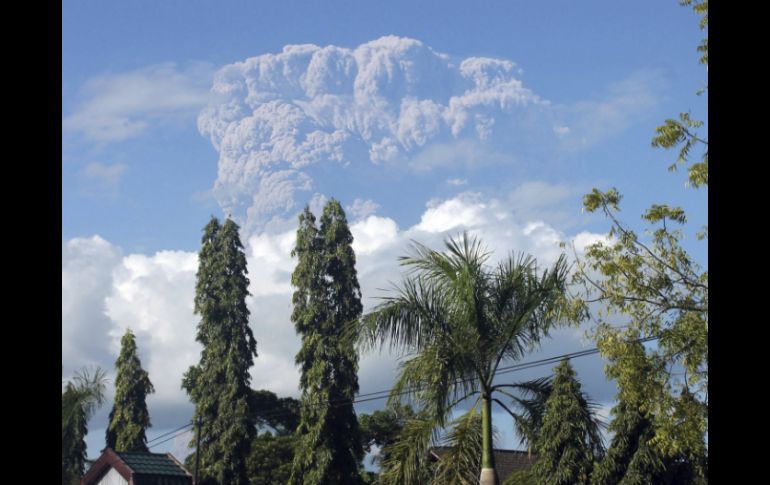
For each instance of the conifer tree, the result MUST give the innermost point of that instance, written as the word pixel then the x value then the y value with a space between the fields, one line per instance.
pixel 630 459
pixel 568 442
pixel 129 418
pixel 219 384
pixel 326 298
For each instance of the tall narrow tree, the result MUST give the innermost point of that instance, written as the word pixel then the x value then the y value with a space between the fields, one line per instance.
pixel 129 418
pixel 327 297
pixel 569 440
pixel 219 384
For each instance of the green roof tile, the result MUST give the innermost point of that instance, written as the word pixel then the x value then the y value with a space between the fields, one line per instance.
pixel 157 464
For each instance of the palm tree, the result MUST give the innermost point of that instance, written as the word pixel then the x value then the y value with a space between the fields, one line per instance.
pixel 80 399
pixel 458 320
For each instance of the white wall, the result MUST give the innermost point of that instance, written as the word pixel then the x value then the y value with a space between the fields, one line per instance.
pixel 113 478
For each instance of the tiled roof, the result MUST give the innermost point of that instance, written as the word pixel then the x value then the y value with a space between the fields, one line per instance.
pixel 506 461
pixel 509 461
pixel 151 464
pixel 143 468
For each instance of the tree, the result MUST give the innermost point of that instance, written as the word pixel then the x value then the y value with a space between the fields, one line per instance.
pixel 219 384
pixel 458 321
pixel 280 414
pixel 569 439
pixel 80 399
pixel 461 462
pixel 521 477
pixel 382 427
pixel 271 458
pixel 326 299
pixel 129 418
pixel 661 293
pixel 631 457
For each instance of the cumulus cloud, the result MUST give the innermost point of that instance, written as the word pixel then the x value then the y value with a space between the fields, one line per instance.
pixel 85 284
pixel 104 292
pixel 118 106
pixel 452 213
pixel 276 116
pixel 153 295
pixel 278 119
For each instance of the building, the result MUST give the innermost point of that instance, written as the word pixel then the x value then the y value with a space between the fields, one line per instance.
pixel 506 461
pixel 136 468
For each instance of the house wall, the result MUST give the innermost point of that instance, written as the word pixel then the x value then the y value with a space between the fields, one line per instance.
pixel 113 478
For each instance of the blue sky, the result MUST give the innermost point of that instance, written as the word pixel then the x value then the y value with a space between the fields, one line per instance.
pixel 550 100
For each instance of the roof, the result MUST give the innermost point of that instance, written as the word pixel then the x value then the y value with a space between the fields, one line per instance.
pixel 506 461
pixel 139 468
pixel 152 464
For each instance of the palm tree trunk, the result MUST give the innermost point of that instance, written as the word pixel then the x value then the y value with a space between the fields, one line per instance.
pixel 488 474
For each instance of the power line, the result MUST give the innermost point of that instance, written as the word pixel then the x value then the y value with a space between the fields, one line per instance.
pixel 167 439
pixel 377 395
pixel 170 432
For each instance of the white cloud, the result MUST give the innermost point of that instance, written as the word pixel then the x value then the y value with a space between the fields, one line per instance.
pixel 115 107
pixel 453 213
pixel 269 254
pixel 372 234
pixel 457 182
pixel 584 239
pixel 86 281
pixel 104 292
pixel 537 194
pixel 621 104
pixel 105 174
pixel 361 208
pixel 276 116
pixel 153 295
pixel 393 102
pixel 556 204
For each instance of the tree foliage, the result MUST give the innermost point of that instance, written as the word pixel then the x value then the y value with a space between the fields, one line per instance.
pixel 271 458
pixel 219 384
pixel 630 458
pixel 326 299
pixel 382 427
pixel 129 417
pixel 660 292
pixel 521 477
pixel 683 132
pixel 80 399
pixel 457 320
pixel 461 462
pixel 569 440
pixel 279 413
pixel 272 450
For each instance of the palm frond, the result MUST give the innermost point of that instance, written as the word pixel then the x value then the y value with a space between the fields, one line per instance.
pixel 407 458
pixel 436 379
pixel 409 320
pixel 529 406
pixel 460 462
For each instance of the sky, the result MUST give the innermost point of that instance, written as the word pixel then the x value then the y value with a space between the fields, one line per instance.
pixel 423 118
